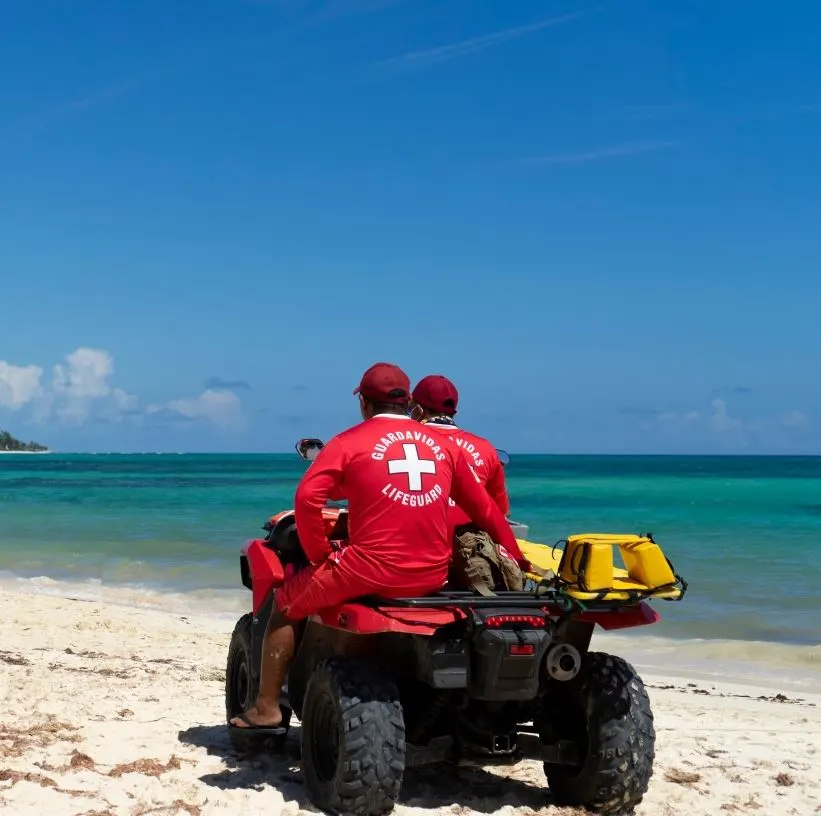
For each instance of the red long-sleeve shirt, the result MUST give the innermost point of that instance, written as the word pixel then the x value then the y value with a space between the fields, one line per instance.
pixel 484 460
pixel 397 477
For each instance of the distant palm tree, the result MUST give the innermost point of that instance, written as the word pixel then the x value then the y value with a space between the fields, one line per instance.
pixel 9 443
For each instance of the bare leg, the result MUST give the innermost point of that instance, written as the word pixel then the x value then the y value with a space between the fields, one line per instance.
pixel 277 653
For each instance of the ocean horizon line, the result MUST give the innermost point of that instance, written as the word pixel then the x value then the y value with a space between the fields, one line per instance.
pixel 225 602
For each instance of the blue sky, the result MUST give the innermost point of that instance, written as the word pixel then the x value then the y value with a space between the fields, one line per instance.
pixel 600 220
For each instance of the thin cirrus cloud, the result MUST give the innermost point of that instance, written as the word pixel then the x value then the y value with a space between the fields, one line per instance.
pixel 329 12
pixel 218 383
pixel 44 118
pixel 599 154
pixel 735 390
pixel 325 11
pixel 652 111
pixel 431 56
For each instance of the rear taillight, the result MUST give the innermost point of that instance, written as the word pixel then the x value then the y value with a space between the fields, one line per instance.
pixel 535 621
pixel 522 650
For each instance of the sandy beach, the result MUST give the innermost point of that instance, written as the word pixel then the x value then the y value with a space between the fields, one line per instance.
pixel 112 710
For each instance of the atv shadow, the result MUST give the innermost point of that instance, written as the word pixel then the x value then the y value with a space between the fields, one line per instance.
pixel 251 770
pixel 432 786
pixel 474 787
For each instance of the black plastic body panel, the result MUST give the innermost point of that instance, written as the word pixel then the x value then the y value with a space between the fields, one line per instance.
pixel 245 572
pixel 445 664
pixel 497 675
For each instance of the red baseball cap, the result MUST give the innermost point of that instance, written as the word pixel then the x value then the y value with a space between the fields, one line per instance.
pixel 385 382
pixel 437 393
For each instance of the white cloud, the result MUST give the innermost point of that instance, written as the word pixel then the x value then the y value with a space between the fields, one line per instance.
pixel 720 426
pixel 82 386
pixel 19 385
pixel 222 407
pixel 85 374
pixel 123 400
pixel 730 430
pixel 672 418
pixel 794 419
pixel 81 389
pixel 721 421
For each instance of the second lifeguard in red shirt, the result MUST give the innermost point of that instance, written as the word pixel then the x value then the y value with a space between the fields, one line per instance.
pixel 435 401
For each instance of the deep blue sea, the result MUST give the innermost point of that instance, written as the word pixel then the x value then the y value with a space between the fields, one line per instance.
pixel 744 531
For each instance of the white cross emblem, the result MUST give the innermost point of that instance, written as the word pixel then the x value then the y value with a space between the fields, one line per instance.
pixel 413 466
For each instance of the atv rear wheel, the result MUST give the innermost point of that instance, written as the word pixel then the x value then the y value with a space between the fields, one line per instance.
pixel 241 688
pixel 606 710
pixel 353 739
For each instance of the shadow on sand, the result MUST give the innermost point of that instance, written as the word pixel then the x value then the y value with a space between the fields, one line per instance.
pixel 426 787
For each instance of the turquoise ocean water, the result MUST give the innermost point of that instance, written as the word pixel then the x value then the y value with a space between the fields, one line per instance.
pixel 745 532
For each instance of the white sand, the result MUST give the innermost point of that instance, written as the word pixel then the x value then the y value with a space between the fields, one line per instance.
pixel 112 710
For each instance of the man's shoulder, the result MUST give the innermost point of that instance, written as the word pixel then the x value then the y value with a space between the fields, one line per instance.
pixel 464 441
pixel 474 437
pixel 352 431
pixel 379 428
pixel 344 439
pixel 481 441
pixel 446 432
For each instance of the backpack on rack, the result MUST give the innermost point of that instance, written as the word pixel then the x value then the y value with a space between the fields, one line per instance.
pixel 479 564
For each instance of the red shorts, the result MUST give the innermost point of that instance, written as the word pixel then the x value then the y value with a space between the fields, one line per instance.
pixel 318 587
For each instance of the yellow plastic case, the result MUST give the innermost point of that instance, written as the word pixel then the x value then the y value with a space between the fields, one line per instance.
pixel 585 567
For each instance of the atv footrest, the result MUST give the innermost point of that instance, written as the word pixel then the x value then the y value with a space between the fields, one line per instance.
pixel 259 731
pixel 561 752
pixel 258 740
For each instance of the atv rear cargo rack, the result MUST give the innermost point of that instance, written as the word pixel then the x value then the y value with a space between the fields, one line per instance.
pixel 460 599
pixel 467 599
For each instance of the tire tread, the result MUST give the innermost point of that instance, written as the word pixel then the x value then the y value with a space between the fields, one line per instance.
pixel 372 751
pixel 623 733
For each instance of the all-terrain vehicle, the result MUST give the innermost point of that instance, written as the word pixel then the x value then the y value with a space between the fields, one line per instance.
pixel 382 685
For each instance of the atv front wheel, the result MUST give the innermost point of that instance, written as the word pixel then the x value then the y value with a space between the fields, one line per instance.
pixel 353 739
pixel 241 688
pixel 606 711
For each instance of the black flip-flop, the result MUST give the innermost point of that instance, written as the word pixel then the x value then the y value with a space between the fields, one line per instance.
pixel 253 728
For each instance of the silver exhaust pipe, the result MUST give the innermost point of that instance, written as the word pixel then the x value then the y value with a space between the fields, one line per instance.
pixel 563 662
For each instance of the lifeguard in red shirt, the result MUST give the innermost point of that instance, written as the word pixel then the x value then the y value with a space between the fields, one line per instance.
pixel 435 400
pixel 397 477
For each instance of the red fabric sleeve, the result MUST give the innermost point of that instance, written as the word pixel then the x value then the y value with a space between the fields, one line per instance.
pixel 322 480
pixel 495 485
pixel 474 499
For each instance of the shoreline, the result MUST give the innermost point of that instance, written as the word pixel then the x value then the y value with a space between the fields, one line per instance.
pixel 792 666
pixel 119 710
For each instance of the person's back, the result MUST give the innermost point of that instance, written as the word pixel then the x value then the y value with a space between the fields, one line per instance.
pixel 436 400
pixel 397 479
pixel 484 460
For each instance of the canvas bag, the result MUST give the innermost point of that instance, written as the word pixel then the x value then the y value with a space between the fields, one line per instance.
pixel 479 564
